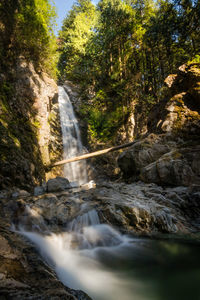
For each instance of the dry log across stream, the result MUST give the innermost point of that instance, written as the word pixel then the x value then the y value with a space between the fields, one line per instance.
pixel 93 154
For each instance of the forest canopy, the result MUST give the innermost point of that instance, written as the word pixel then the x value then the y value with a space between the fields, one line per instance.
pixel 122 50
pixel 119 51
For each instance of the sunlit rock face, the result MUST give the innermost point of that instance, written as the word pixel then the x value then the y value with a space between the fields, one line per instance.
pixel 163 160
pixel 169 155
pixel 30 137
pixel 178 111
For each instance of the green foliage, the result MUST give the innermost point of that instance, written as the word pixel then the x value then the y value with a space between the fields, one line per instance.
pixel 77 30
pixel 26 28
pixel 121 52
pixel 6 92
pixel 103 126
pixel 196 59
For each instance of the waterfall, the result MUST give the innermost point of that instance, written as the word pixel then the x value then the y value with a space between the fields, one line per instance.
pixel 95 257
pixel 72 145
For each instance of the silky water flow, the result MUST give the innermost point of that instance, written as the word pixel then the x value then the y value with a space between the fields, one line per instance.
pixel 84 255
pixel 72 145
pixel 101 261
pixel 108 265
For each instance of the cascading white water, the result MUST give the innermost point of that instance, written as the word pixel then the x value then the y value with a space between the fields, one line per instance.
pixel 72 145
pixel 84 220
pixel 95 257
pixel 108 265
pixel 77 257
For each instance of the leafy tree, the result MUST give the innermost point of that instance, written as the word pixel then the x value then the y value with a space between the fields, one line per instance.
pixel 122 52
pixel 77 28
pixel 27 29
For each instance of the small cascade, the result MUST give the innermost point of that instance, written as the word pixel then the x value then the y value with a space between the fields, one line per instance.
pixel 87 219
pixel 76 254
pixel 77 257
pixel 72 145
pixel 80 267
pixel 106 264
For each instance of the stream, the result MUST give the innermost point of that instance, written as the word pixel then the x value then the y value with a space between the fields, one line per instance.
pixel 108 265
pixel 105 263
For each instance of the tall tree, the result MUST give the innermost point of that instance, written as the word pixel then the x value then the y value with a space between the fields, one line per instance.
pixel 123 51
pixel 77 28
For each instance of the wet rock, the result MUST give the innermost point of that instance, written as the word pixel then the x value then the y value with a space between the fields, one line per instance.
pixel 58 184
pixel 89 185
pixel 74 184
pixel 165 222
pixel 20 194
pixel 51 211
pixel 194 188
pixel 4 194
pixel 147 208
pixel 39 190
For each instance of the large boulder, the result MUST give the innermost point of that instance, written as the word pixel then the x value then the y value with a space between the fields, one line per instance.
pixel 170 169
pixel 160 160
pixel 58 184
pixel 142 154
pixel 148 208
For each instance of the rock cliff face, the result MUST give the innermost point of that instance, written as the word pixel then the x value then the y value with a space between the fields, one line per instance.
pixel 179 111
pixel 29 138
pixel 171 154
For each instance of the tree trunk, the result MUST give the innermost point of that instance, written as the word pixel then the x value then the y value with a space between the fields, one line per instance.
pixel 93 154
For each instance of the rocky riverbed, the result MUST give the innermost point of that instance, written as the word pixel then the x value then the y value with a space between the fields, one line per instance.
pixel 138 209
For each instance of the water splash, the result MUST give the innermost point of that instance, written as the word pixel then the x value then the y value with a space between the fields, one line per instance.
pixel 76 258
pixel 72 145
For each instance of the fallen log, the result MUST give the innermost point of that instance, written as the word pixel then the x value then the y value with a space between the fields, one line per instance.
pixel 93 154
